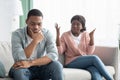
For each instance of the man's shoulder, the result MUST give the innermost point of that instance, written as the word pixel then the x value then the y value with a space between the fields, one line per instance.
pixel 46 31
pixel 19 30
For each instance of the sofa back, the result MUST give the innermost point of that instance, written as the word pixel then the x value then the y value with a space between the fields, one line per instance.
pixel 6 55
pixel 109 55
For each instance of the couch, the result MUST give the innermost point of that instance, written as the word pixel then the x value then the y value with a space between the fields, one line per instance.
pixel 109 55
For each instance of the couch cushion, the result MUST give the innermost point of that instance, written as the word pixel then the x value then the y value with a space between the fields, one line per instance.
pixel 6 79
pixel 80 74
pixel 6 55
pixel 2 70
pixel 77 74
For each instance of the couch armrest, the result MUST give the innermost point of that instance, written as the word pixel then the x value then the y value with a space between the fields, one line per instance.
pixel 109 56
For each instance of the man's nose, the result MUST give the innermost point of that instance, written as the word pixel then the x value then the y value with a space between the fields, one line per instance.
pixel 36 26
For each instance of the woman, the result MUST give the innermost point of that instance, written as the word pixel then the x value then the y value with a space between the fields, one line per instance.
pixel 78 45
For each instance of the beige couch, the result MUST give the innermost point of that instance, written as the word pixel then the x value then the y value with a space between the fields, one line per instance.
pixel 109 55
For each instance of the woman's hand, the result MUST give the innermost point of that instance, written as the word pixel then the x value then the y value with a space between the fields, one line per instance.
pixel 57 29
pixel 57 34
pixel 91 34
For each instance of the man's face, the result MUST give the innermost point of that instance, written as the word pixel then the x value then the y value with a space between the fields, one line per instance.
pixel 34 23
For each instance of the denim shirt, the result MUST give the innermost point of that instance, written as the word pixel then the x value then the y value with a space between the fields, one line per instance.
pixel 46 47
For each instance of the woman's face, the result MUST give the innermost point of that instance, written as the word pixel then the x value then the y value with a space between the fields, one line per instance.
pixel 76 26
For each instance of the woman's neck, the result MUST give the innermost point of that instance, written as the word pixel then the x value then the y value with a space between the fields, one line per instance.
pixel 75 34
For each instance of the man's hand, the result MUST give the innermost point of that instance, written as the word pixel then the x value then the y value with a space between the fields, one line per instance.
pixel 22 64
pixel 37 37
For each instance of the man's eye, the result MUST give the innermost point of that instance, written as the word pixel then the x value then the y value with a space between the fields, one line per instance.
pixel 32 24
pixel 39 24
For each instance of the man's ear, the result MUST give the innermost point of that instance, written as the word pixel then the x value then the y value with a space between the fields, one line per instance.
pixel 26 21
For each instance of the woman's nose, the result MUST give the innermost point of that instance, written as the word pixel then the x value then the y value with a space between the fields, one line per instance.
pixel 75 25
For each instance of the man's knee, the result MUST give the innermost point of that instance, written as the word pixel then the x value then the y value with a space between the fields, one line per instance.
pixel 21 73
pixel 55 66
pixel 56 70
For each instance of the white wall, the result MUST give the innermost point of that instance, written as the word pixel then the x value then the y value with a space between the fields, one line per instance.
pixel 5 20
pixel 100 14
pixel 9 20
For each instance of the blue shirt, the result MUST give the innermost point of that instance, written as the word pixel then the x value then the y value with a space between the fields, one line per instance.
pixel 46 47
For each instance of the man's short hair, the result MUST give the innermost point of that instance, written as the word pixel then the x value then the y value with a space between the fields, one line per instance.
pixel 34 12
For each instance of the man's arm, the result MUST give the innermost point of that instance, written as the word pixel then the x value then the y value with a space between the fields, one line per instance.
pixel 30 48
pixel 41 61
pixel 51 54
pixel 17 46
pixel 37 37
pixel 51 51
pixel 18 50
pixel 37 62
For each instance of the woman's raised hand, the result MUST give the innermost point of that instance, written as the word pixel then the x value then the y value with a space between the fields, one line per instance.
pixel 57 29
pixel 91 34
pixel 57 35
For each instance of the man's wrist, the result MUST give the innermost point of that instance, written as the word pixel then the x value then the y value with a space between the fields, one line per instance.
pixel 35 42
pixel 31 62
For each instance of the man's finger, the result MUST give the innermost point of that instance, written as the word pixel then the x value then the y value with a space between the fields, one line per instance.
pixel 19 67
pixel 31 31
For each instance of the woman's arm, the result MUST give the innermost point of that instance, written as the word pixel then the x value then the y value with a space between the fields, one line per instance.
pixel 57 35
pixel 91 34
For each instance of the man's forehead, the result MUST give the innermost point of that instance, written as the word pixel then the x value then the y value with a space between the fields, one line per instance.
pixel 36 22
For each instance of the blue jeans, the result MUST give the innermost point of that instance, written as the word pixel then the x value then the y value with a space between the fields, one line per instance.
pixel 93 64
pixel 51 71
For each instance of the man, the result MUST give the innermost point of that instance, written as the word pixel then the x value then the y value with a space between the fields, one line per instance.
pixel 34 51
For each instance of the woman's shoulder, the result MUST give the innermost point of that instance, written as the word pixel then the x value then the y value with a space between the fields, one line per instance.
pixel 66 33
